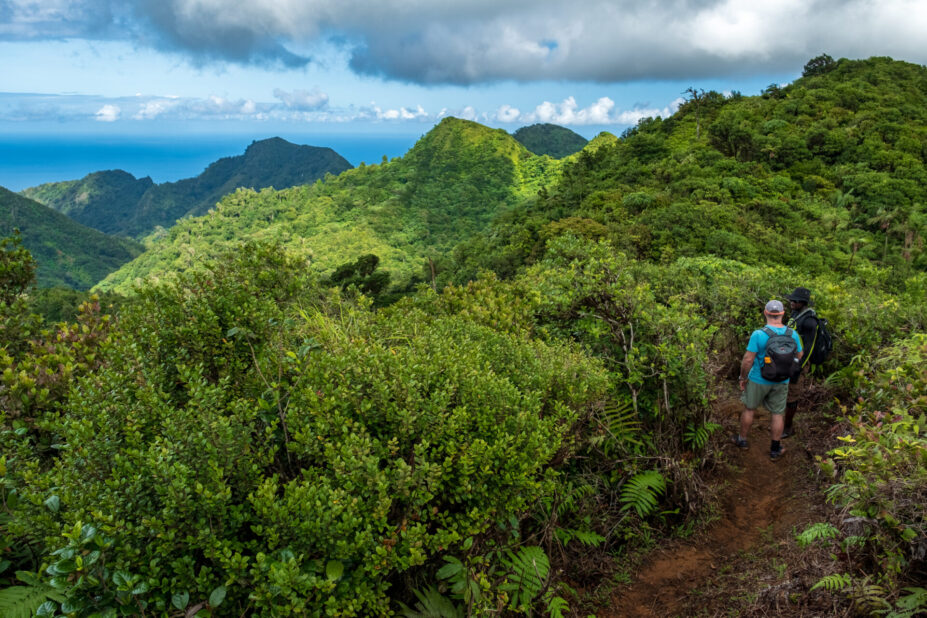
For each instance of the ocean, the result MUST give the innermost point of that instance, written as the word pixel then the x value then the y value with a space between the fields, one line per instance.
pixel 27 161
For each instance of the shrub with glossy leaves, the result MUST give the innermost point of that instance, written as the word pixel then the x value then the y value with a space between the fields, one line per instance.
pixel 250 432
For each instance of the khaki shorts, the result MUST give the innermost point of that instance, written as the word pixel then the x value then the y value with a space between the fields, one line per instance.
pixel 770 396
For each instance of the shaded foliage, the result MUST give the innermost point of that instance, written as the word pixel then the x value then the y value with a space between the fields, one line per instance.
pixel 66 253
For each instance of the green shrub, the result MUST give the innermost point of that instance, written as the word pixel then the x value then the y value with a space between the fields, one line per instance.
pixel 248 432
pixel 881 470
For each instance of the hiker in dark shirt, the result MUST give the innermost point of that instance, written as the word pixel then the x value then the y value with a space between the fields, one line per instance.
pixel 805 323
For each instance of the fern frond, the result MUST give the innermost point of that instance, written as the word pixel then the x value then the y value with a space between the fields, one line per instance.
pixel 571 496
pixel 850 541
pixel 833 583
pixel 640 492
pixel 556 606
pixel 528 570
pixel 816 532
pixel 697 438
pixel 432 604
pixel 23 601
pixel 588 537
pixel 916 601
pixel 621 421
pixel 870 598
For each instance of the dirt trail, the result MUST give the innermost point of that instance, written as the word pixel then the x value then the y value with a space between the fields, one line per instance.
pixel 762 504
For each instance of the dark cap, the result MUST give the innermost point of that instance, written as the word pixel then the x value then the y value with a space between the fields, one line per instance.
pixel 800 295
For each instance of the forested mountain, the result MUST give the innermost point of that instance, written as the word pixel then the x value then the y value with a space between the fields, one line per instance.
pixel 550 139
pixel 817 173
pixel 116 202
pixel 252 436
pixel 67 254
pixel 448 187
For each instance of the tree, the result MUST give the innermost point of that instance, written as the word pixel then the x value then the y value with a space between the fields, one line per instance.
pixel 819 66
pixel 696 96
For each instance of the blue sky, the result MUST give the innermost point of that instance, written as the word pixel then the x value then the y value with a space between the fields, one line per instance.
pixel 145 67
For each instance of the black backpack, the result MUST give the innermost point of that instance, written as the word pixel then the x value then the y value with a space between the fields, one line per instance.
pixel 823 343
pixel 780 362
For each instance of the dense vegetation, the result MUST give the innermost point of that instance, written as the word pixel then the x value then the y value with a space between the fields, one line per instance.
pixel 445 189
pixel 116 202
pixel 68 254
pixel 550 139
pixel 251 434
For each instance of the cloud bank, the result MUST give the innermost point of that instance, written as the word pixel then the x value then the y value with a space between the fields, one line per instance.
pixel 479 41
pixel 300 106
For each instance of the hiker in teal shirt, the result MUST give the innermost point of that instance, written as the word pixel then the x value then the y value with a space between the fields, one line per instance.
pixel 760 391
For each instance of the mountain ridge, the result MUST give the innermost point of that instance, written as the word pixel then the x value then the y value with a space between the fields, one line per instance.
pixel 456 179
pixel 115 202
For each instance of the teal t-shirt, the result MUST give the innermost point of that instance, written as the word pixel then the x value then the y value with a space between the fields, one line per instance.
pixel 757 344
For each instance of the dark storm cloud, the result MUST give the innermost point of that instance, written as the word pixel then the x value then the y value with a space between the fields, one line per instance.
pixel 478 41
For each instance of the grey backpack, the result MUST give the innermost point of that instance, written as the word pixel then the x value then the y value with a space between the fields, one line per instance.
pixel 780 361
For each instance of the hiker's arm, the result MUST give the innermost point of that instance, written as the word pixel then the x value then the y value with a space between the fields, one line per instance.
pixel 745 365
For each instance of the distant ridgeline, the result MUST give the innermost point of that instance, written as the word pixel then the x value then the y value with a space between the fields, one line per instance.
pixel 550 139
pixel 116 202
pixel 447 188
pixel 67 254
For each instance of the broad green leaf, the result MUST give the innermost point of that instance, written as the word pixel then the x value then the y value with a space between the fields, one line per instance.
pixel 180 599
pixel 53 503
pixel 217 596
pixel 334 569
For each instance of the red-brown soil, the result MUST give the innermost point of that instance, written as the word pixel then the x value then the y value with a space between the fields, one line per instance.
pixel 746 563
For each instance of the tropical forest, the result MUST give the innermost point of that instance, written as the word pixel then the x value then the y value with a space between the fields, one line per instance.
pixel 495 376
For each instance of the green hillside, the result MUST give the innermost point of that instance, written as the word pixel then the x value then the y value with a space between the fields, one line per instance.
pixel 67 254
pixel 116 202
pixel 817 174
pixel 246 437
pixel 449 186
pixel 550 139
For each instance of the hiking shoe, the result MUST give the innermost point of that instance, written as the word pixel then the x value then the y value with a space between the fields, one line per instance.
pixel 740 442
pixel 788 432
pixel 777 455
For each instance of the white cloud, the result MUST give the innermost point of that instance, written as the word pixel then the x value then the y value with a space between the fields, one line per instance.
pixel 507 113
pixel 568 113
pixel 468 113
pixel 401 113
pixel 633 116
pixel 108 113
pixel 153 109
pixel 478 41
pixel 306 100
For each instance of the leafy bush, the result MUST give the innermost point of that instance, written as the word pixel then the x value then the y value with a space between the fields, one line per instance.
pixel 251 432
pixel 881 471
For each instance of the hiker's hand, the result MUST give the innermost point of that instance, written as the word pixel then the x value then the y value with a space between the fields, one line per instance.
pixel 743 384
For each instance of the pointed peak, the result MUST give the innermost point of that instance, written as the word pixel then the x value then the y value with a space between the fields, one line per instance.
pixel 602 139
pixel 455 134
